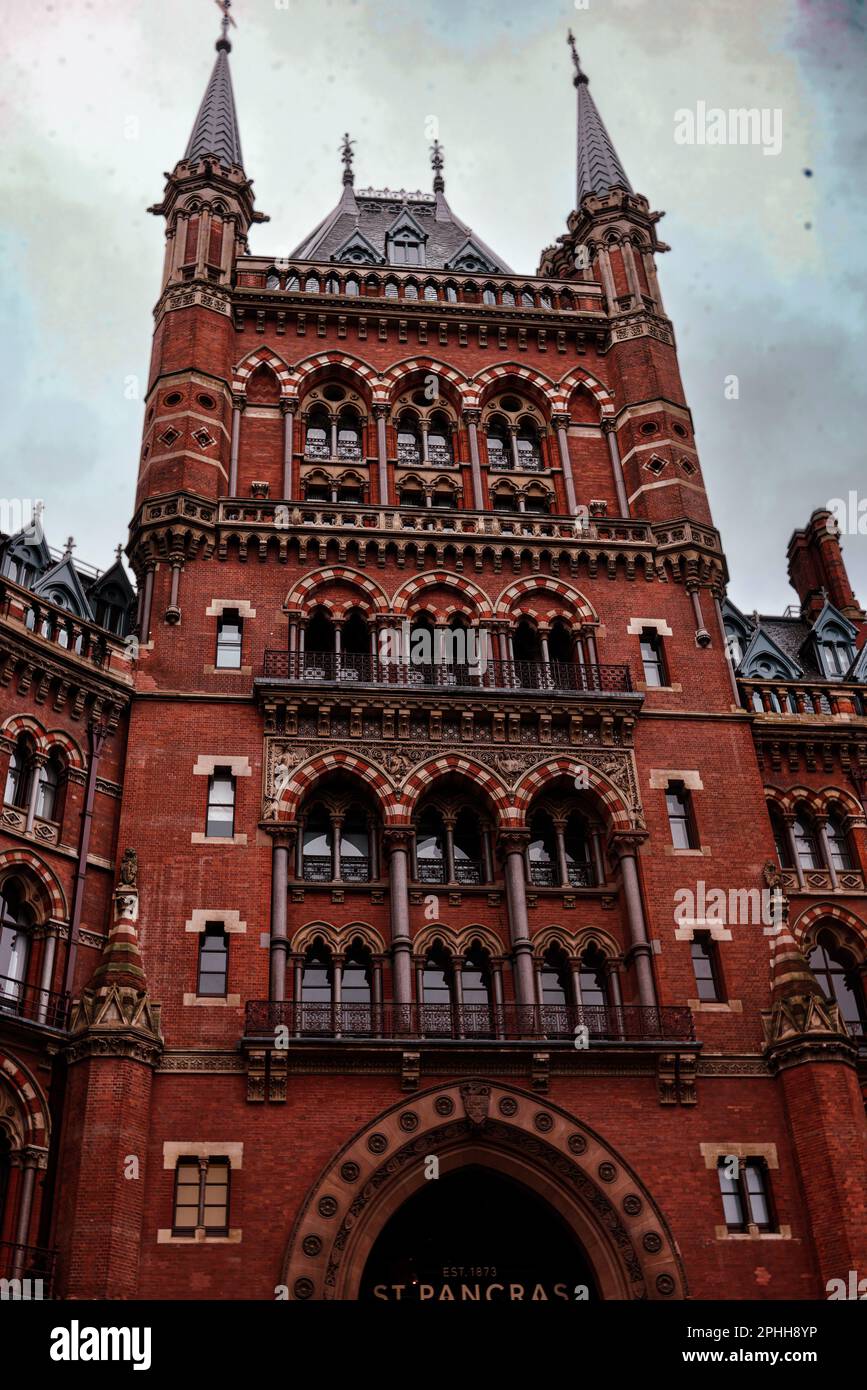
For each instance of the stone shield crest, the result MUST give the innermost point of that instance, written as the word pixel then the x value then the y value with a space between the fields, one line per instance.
pixel 476 1096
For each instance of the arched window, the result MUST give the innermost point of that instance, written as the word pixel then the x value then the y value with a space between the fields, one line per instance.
pixel 355 846
pixel 311 284
pixel 408 439
pixel 452 294
pixel 430 292
pixel 838 977
pixel 439 447
pixel 350 489
pixel 498 443
pixel 594 986
pixel 561 643
pixel 805 842
pixel 320 633
pixel 356 991
pixel 838 842
pixel 489 295
pixel 348 436
pixel 317 442
pixel 430 847
pixel 293 283
pixel 272 281
pixel 354 646
pixel 20 776
pixel 410 290
pixel 508 296
pixel 476 1019
pixel 528 298
pixel 316 854
pixel 543 851
pixel 781 839
pixel 436 995
pixel 469 866
pixel 317 991
pixel 352 286
pixel 443 496
pixel 391 289
pixel 527 441
pixel 411 493
pixel 526 643
pixel 836 651
pixel 16 920
pixel 504 499
pixel 579 864
pixel 556 991
pixel 52 780
pixel 537 502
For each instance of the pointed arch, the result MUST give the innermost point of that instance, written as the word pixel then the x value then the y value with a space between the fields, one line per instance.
pixel 486 380
pixel 27 864
pixel 303 589
pixel 579 376
pixel 611 800
pixel 256 357
pixel 602 1200
pixel 543 584
pixel 59 738
pixel 399 377
pixel 421 778
pixel 320 363
pixel 339 759
pixel 828 912
pixel 414 587
pixel 30 1121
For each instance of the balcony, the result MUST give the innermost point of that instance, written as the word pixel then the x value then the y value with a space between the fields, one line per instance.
pixel 35 1005
pixel 30 1265
pixel 556 676
pixel 819 881
pixel 794 699
pixel 467 871
pixel 630 1023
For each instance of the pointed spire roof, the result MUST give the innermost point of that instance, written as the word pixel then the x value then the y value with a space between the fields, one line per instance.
pixel 598 165
pixel 215 130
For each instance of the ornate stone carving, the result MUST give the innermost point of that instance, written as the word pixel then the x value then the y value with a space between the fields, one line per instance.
pixel 476 1098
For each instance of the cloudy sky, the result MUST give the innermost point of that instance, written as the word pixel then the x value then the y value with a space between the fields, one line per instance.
pixel 763 281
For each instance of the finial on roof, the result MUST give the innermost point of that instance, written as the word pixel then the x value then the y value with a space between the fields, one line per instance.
pixel 118 552
pixel 437 161
pixel 347 157
pixel 579 75
pixel 70 546
pixel 223 45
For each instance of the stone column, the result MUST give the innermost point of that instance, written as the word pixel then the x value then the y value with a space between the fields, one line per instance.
pixel 561 424
pixel 281 844
pixel 148 602
pixel 472 418
pixel 449 827
pixel 604 263
pixel 397 842
pixel 336 827
pixel 47 973
pixel 631 272
pixel 380 414
pixel 288 409
pixel 822 828
pixel 625 847
pixel 653 283
pixel 793 849
pixel 37 765
pixel 562 864
pixel 238 405
pixel 609 429
pixel 173 612
pixel 202 244
pixel 736 695
pixel 511 846
pixel 32 1160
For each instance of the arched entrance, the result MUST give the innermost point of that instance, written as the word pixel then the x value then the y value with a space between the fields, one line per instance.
pixel 606 1216
pixel 476 1235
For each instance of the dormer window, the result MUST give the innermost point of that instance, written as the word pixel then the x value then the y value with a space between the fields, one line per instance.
pixel 836 652
pixel 405 249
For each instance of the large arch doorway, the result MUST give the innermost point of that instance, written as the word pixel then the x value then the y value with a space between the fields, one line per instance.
pixel 611 1221
pixel 476 1235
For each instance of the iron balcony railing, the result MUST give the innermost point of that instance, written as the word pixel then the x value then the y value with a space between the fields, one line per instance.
pixel 466 871
pixel 547 876
pixel 503 1022
pixel 318 868
pixel 487 675
pixel 36 1005
pixel 31 1267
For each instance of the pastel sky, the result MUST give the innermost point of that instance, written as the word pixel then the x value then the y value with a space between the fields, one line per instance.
pixel 763 281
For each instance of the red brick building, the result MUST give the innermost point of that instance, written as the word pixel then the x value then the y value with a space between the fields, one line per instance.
pixel 446 894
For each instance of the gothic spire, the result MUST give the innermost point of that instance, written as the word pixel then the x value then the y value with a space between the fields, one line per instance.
pixel 215 131
pixel 598 165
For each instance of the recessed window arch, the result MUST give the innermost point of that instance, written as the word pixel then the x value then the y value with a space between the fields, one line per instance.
pixel 16 923
pixel 836 971
pixel 52 786
pixel 527 442
pixel 839 844
pixel 339 839
pixel 806 840
pixel 22 769
pixel 453 841
pixel 593 980
pixel 311 284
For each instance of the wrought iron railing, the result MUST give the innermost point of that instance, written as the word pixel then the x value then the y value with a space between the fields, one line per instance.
pixel 434 871
pixel 36 1005
pixel 509 1022
pixel 548 876
pixel 487 675
pixel 440 455
pixel 318 868
pixel 32 1267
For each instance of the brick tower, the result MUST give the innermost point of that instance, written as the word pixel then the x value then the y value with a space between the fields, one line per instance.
pixel 437 774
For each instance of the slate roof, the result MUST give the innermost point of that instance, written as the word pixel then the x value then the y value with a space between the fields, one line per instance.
pixel 599 167
pixel 375 212
pixel 52 572
pixel 215 130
